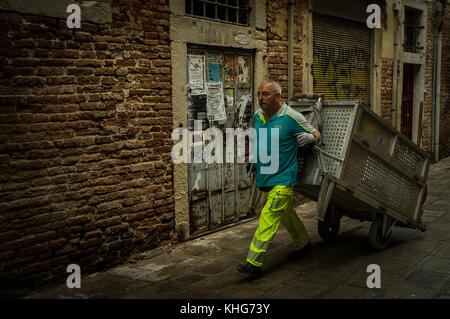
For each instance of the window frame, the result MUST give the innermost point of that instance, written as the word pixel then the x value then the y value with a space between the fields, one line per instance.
pixel 237 7
pixel 415 24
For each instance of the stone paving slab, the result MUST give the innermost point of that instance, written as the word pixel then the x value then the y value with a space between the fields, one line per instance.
pixel 428 279
pixel 437 264
pixel 297 289
pixel 348 291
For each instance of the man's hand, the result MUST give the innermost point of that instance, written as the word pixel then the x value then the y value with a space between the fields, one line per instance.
pixel 318 137
pixel 304 139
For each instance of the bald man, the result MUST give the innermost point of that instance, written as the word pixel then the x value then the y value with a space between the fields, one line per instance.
pixel 285 130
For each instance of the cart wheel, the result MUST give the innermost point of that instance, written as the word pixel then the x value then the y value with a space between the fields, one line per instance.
pixel 376 239
pixel 328 229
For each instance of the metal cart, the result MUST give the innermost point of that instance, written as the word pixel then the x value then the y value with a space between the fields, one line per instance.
pixel 364 169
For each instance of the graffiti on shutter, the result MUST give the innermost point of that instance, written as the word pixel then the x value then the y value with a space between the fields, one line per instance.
pixel 341 58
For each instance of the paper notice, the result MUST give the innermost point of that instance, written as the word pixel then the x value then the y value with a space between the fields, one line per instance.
pixel 196 73
pixel 215 106
pixel 213 72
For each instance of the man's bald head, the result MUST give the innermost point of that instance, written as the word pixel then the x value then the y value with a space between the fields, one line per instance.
pixel 276 87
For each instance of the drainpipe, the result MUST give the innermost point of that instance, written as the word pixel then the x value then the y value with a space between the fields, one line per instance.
pixel 290 49
pixel 433 97
pixel 438 93
pixel 435 107
pixel 394 69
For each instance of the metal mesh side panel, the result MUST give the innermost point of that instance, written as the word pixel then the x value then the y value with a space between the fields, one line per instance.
pixel 336 122
pixel 375 178
pixel 414 161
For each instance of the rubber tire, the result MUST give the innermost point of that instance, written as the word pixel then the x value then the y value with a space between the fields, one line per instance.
pixel 376 240
pixel 327 231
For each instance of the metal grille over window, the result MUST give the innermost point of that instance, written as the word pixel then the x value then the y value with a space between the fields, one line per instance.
pixel 232 11
pixel 412 30
pixel 341 58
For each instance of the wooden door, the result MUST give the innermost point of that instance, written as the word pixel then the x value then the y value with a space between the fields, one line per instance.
pixel 407 100
pixel 219 193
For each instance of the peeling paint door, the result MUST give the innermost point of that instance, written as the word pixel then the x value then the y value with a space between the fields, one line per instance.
pixel 219 193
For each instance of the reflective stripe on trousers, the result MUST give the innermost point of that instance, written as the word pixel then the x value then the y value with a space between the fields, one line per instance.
pixel 278 209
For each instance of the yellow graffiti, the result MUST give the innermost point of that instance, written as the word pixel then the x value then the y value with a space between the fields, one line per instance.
pixel 340 80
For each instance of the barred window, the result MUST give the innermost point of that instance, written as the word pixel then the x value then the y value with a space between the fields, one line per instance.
pixel 412 30
pixel 232 11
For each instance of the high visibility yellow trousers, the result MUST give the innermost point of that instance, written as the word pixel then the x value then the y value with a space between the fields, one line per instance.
pixel 278 209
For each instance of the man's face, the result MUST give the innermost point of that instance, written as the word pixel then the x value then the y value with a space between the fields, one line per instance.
pixel 268 100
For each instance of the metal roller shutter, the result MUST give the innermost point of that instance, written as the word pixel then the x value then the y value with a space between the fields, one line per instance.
pixel 341 67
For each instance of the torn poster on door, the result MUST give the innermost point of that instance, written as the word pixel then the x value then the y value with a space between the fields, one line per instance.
pixel 243 65
pixel 196 73
pixel 215 105
pixel 228 70
pixel 243 102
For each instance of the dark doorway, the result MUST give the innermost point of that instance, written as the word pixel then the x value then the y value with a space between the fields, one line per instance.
pixel 407 100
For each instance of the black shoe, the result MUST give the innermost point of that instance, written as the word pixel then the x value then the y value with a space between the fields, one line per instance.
pixel 249 269
pixel 300 252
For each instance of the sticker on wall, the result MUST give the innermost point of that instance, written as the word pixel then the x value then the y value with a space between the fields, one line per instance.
pixel 213 72
pixel 196 73
pixel 215 105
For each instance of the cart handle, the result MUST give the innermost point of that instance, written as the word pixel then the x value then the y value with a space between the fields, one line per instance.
pixel 321 151
pixel 312 96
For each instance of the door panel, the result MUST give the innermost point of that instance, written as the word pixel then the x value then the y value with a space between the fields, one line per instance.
pixel 407 100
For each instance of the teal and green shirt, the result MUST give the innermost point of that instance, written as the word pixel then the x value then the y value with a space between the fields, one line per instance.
pixel 286 124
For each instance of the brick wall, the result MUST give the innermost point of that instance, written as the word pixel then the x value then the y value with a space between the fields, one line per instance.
pixel 444 127
pixel 277 44
pixel 428 81
pixel 85 126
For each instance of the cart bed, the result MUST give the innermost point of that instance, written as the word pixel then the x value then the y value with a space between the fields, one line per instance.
pixel 379 171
